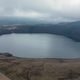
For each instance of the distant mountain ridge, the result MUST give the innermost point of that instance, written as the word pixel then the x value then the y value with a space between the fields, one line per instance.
pixel 70 30
pixel 20 20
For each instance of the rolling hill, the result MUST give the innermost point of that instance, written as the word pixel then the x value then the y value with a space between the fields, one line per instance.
pixel 70 30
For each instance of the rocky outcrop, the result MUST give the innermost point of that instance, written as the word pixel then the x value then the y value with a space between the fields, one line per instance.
pixel 3 77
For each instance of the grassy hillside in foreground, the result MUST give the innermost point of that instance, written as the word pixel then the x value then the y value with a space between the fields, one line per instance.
pixel 40 69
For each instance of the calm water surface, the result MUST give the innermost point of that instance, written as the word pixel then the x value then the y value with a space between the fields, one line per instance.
pixel 39 46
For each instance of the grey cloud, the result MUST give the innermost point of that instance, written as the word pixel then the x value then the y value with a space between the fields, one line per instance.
pixel 55 9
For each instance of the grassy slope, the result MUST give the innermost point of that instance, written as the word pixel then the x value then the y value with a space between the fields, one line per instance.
pixel 40 69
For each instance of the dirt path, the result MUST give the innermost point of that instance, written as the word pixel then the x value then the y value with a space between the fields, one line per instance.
pixel 3 77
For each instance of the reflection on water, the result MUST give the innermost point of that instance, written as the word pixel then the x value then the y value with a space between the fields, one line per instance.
pixel 39 46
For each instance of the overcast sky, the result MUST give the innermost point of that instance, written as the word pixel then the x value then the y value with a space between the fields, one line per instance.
pixel 51 10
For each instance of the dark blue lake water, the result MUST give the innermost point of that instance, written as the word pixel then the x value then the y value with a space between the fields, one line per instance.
pixel 39 46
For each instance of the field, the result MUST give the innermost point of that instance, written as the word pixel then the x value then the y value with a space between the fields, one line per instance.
pixel 40 69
